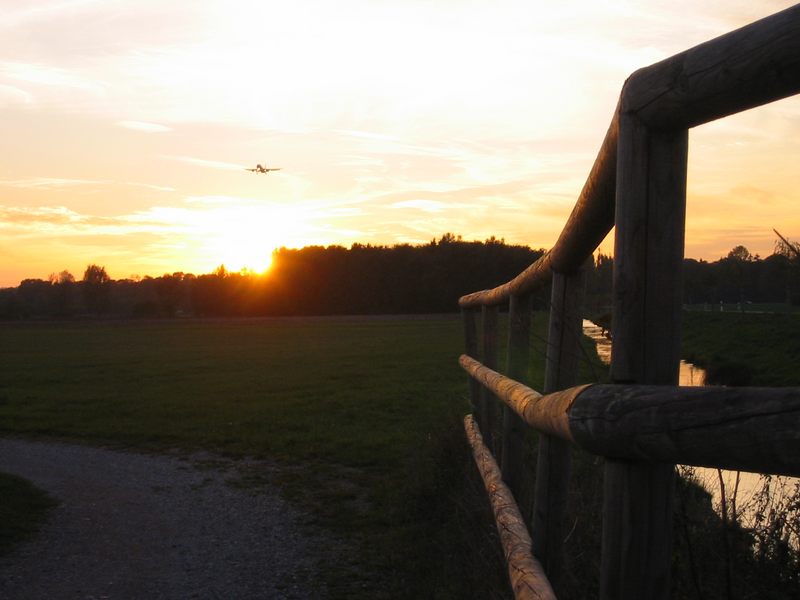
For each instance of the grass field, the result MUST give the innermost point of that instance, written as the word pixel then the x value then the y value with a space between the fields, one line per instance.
pixel 351 406
pixel 363 413
pixel 295 389
pixel 744 349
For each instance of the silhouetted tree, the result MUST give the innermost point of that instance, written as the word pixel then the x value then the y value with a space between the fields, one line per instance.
pixel 96 289
pixel 369 279
pixel 598 287
pixel 63 285
pixel 741 254
pixel 35 297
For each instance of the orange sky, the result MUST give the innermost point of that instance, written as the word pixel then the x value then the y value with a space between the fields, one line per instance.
pixel 127 126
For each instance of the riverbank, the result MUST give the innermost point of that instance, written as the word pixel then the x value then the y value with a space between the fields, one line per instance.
pixel 731 526
pixel 744 349
pixel 739 348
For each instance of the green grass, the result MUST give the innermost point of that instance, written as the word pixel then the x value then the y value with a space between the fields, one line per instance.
pixel 300 389
pixel 364 415
pixel 744 349
pixel 23 508
pixel 747 307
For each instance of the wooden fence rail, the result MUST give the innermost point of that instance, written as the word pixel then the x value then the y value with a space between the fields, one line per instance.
pixel 642 422
pixel 742 429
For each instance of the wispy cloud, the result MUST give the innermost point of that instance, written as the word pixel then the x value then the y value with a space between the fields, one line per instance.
pixel 47 75
pixel 149 186
pixel 31 216
pixel 217 200
pixel 369 135
pixel 202 162
pixel 10 94
pixel 58 183
pixel 45 220
pixel 144 126
pixel 49 182
pixel 429 206
pixel 25 13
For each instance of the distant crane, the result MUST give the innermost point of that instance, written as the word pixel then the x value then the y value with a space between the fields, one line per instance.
pixel 262 169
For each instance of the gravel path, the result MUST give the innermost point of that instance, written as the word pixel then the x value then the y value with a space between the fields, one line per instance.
pixel 132 526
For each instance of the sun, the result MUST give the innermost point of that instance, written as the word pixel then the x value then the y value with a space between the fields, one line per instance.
pixel 241 241
pixel 243 236
pixel 242 249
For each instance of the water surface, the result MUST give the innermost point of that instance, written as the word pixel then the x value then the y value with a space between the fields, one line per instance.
pixel 745 485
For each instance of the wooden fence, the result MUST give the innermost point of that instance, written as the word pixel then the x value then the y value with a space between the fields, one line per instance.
pixel 642 423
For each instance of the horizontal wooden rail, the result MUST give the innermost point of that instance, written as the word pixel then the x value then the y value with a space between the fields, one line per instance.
pixel 528 580
pixel 548 414
pixel 590 221
pixel 638 185
pixel 744 429
pixel 748 67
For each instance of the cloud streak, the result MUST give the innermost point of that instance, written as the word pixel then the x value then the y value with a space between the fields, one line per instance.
pixel 50 182
pixel 144 127
pixel 375 141
pixel 61 183
pixel 202 162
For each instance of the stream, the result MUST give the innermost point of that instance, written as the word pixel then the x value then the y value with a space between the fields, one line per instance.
pixel 746 484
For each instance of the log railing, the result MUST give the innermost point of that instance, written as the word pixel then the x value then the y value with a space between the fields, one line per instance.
pixel 642 423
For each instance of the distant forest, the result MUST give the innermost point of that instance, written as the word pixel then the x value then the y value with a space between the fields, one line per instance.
pixel 366 279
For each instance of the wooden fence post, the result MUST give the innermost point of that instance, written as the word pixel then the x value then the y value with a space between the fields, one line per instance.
pixel 471 349
pixel 489 404
pixel 515 472
pixel 650 215
pixel 554 459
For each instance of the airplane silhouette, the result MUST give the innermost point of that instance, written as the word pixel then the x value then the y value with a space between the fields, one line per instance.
pixel 261 169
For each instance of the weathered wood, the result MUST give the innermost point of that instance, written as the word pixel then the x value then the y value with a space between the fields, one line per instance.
pixel 754 65
pixel 489 407
pixel 651 201
pixel 637 526
pixel 565 331
pixel 545 414
pixel 469 316
pixel 515 471
pixel 651 208
pixel 742 429
pixel 643 162
pixel 748 67
pixel 536 275
pixel 590 221
pixel 593 215
pixel 554 461
pixel 528 580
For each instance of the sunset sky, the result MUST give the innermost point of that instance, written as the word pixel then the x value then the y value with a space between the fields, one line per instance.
pixel 127 125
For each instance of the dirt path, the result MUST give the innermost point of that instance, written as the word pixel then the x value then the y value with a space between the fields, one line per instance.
pixel 132 526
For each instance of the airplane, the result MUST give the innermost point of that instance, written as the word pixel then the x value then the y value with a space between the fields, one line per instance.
pixel 261 169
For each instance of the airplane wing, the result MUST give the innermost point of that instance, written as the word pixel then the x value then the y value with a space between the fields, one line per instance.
pixel 260 169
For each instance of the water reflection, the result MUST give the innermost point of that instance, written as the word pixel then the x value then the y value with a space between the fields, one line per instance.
pixel 689 374
pixel 745 485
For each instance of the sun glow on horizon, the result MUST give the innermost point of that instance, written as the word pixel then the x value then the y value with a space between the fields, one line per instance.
pixel 392 123
pixel 242 234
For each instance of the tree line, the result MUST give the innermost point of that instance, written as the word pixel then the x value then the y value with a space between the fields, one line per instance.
pixel 738 277
pixel 367 279
pixel 315 280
